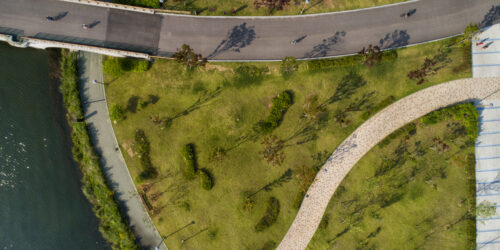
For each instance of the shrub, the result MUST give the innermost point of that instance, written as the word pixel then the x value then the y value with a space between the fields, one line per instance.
pixel 112 66
pixel 375 109
pixel 271 215
pixel 245 75
pixel 142 148
pixel 117 66
pixel 116 113
pixel 288 66
pixel 206 179
pixel 281 103
pixel 187 153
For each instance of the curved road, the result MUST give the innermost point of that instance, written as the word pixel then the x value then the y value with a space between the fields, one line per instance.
pixel 247 38
pixel 370 134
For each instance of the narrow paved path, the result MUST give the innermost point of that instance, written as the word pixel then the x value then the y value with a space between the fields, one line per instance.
pixel 368 135
pixel 112 162
pixel 247 38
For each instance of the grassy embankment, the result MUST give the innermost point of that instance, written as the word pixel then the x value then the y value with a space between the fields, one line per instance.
pixel 219 109
pixel 247 8
pixel 112 225
pixel 416 189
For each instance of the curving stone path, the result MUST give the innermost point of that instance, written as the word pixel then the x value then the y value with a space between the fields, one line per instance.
pixel 368 135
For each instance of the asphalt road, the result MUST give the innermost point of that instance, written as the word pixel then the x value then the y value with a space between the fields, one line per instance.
pixel 248 38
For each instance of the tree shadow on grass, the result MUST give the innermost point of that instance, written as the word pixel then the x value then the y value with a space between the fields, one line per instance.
pixel 238 37
pixel 201 102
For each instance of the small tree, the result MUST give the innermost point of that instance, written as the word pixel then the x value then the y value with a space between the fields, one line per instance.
pixel 206 179
pixel 188 57
pixel 271 5
pixel 470 33
pixel 288 66
pixel 312 108
pixel 272 150
pixel 372 55
pixel 116 113
pixel 486 209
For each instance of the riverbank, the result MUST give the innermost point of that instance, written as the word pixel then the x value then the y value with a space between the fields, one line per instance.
pixel 112 225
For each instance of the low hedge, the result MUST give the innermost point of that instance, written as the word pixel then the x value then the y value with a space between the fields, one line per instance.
pixel 344 61
pixel 142 148
pixel 112 224
pixel 281 103
pixel 190 169
pixel 206 179
pixel 271 215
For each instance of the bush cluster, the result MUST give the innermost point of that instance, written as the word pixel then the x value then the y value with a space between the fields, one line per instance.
pixel 117 66
pixel 288 66
pixel 271 215
pixel 142 148
pixel 95 187
pixel 190 169
pixel 465 113
pixel 245 75
pixel 206 179
pixel 375 109
pixel 281 103
pixel 116 113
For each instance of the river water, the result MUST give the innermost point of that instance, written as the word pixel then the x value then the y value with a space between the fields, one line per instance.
pixel 41 203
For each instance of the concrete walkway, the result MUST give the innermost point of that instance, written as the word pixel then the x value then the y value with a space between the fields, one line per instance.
pixel 112 162
pixel 486 63
pixel 368 135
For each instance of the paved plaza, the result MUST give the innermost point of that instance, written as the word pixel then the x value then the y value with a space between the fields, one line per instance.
pixel 486 63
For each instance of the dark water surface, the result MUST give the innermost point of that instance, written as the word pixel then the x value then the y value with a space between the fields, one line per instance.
pixel 41 203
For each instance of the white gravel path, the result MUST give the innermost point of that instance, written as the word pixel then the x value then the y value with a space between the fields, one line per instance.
pixel 370 134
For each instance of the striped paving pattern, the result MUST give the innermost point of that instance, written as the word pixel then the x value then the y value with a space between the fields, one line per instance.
pixel 486 63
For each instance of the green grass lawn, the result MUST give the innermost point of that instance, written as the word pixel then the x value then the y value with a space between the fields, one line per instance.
pixel 247 8
pixel 410 193
pixel 217 107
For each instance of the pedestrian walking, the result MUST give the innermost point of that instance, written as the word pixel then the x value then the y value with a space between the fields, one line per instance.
pixel 50 18
pixel 479 43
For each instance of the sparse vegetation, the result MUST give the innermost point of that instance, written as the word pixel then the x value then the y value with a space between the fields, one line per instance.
pixel 112 224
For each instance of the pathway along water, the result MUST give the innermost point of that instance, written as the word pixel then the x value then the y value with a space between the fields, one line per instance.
pixel 41 204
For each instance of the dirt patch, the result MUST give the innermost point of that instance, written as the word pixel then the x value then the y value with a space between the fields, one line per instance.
pixel 128 149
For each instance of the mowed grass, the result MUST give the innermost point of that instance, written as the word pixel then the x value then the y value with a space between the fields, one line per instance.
pixel 432 192
pixel 247 8
pixel 227 111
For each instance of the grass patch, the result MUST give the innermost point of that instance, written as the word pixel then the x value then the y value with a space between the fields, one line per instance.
pixel 395 196
pixel 246 7
pixel 112 225
pixel 220 118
